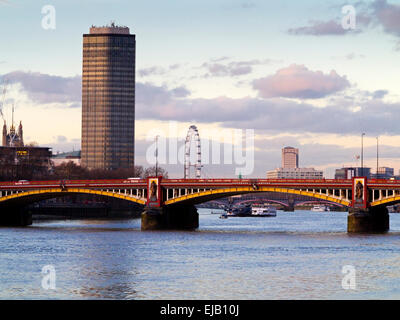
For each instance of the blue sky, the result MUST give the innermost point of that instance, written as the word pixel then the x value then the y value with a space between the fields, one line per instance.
pixel 285 64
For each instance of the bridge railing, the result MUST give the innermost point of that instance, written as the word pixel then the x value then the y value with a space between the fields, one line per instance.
pixel 67 182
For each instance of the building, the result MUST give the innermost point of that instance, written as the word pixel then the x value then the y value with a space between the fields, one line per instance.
pixel 13 138
pixel 383 173
pixel 349 172
pixel 108 98
pixel 24 162
pixel 60 158
pixel 290 157
pixel 295 173
pixel 290 167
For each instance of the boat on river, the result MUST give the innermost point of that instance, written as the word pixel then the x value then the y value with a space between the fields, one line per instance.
pixel 263 211
pixel 320 208
pixel 239 211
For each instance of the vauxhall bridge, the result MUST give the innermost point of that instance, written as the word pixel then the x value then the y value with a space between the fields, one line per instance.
pixel 170 203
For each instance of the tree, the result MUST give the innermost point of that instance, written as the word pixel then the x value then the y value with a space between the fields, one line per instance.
pixel 151 172
pixel 69 170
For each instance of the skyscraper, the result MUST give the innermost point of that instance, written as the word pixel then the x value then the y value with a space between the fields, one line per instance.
pixel 290 157
pixel 108 98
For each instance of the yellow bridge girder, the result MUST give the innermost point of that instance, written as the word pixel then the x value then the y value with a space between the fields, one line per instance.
pixel 243 190
pixel 385 201
pixel 58 191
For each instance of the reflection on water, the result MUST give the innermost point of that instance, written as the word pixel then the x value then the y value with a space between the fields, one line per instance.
pixel 296 255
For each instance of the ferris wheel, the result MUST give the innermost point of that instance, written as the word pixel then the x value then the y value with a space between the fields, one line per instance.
pixel 193 133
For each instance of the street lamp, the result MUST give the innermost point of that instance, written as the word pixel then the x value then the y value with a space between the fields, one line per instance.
pixel 362 154
pixel 157 155
pixel 377 157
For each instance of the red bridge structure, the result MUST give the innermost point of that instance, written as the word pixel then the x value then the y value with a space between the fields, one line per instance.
pixel 170 203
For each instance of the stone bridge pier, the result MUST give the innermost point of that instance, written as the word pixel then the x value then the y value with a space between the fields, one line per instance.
pixel 364 218
pixel 369 220
pixel 170 218
pixel 15 216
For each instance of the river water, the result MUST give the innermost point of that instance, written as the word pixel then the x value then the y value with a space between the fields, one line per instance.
pixel 296 255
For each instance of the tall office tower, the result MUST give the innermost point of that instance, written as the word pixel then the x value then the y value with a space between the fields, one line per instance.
pixel 290 157
pixel 108 98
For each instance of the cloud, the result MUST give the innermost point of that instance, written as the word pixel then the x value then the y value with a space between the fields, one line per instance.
pixel 63 144
pixel 247 5
pixel 180 92
pixel 220 59
pixel 157 70
pixel 296 81
pixel 365 112
pixel 231 69
pixel 379 94
pixel 61 139
pixel 352 56
pixel 349 56
pixel 148 95
pixel 44 88
pixel 320 28
pixel 388 16
pixel 377 13
pixel 397 46
pixel 273 115
pixel 151 71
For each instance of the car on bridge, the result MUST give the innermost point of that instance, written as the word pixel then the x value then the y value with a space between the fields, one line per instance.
pixel 22 182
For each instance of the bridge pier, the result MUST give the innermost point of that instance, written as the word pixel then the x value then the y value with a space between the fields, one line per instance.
pixel 18 217
pixel 370 220
pixel 288 208
pixel 172 217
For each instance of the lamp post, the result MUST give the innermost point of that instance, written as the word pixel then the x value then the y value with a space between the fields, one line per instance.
pixel 377 157
pixel 157 155
pixel 362 154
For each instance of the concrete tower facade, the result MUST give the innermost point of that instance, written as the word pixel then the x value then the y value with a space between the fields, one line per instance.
pixel 108 98
pixel 290 157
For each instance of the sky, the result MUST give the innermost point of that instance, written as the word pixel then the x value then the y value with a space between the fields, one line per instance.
pixel 288 71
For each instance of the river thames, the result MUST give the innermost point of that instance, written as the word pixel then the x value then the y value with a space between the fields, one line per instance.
pixel 296 255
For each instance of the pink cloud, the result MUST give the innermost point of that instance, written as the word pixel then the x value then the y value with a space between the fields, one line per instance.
pixel 296 81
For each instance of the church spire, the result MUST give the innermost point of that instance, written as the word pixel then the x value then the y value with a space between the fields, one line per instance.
pixel 21 134
pixel 4 142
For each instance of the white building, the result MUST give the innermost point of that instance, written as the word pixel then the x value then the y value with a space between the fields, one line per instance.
pixel 295 173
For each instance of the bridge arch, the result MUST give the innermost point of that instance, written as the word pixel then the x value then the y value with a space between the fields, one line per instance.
pixel 386 201
pixel 33 196
pixel 265 200
pixel 316 201
pixel 208 195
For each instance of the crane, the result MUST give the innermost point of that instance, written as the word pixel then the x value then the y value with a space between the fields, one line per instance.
pixel 5 85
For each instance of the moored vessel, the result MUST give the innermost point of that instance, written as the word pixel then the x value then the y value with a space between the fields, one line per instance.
pixel 320 208
pixel 263 211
